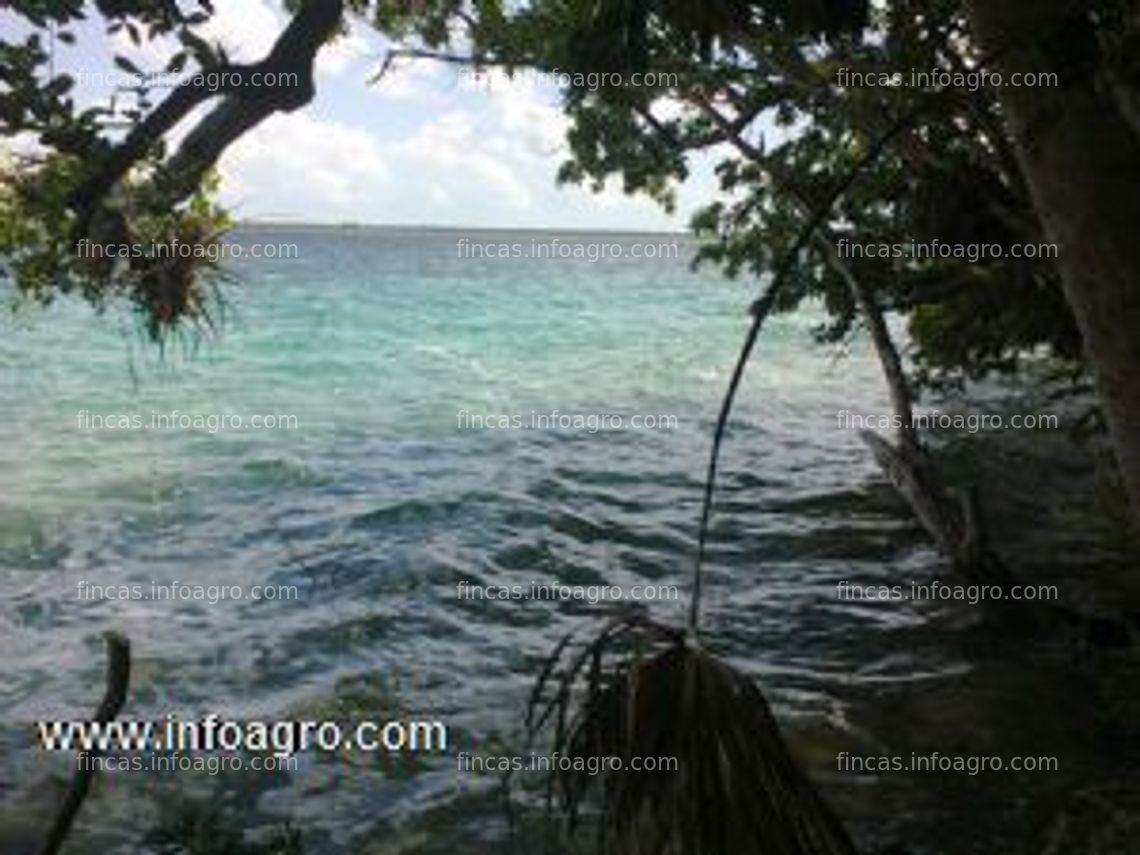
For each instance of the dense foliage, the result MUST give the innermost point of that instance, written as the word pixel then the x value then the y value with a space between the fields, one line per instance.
pixel 768 87
pixel 772 94
pixel 90 186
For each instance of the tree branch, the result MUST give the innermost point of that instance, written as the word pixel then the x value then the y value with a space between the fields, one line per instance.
pixel 245 104
pixel 760 311
pixel 902 399
pixel 118 680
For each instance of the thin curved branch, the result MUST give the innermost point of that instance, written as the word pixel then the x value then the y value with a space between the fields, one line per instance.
pixel 902 400
pixel 118 681
pixel 760 311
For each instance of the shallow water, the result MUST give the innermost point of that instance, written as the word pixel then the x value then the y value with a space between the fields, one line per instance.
pixel 380 502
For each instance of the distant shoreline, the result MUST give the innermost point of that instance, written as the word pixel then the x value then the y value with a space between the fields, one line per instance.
pixel 458 229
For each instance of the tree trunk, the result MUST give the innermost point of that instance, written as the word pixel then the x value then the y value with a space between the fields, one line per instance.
pixel 902 401
pixel 1081 161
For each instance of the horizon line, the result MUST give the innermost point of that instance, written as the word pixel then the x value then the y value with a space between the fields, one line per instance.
pixel 348 224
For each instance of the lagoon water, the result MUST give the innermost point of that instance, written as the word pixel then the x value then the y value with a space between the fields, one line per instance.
pixel 384 497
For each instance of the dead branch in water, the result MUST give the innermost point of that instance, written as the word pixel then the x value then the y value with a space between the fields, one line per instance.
pixel 118 679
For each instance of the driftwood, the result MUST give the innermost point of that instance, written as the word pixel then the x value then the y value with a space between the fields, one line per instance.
pixel 908 470
pixel 953 520
pixel 955 523
pixel 118 679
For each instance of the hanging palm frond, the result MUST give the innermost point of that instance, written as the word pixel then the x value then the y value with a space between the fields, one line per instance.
pixel 725 781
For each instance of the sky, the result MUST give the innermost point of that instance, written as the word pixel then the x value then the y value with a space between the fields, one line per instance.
pixel 427 145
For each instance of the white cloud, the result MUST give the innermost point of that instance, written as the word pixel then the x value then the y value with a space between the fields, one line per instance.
pixel 529 113
pixel 434 148
pixel 247 30
pixel 294 157
pixel 18 146
pixel 343 54
pixel 451 148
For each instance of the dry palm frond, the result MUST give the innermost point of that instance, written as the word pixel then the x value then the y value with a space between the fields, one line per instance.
pixel 640 689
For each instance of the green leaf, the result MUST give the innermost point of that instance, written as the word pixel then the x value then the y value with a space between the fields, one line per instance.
pixel 127 66
pixel 177 62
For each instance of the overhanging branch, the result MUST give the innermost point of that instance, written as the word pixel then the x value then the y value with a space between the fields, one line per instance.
pixel 244 105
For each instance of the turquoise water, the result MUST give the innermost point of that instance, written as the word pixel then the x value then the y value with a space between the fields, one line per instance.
pixel 380 501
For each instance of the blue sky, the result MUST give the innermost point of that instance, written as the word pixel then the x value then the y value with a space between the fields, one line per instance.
pixel 428 145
